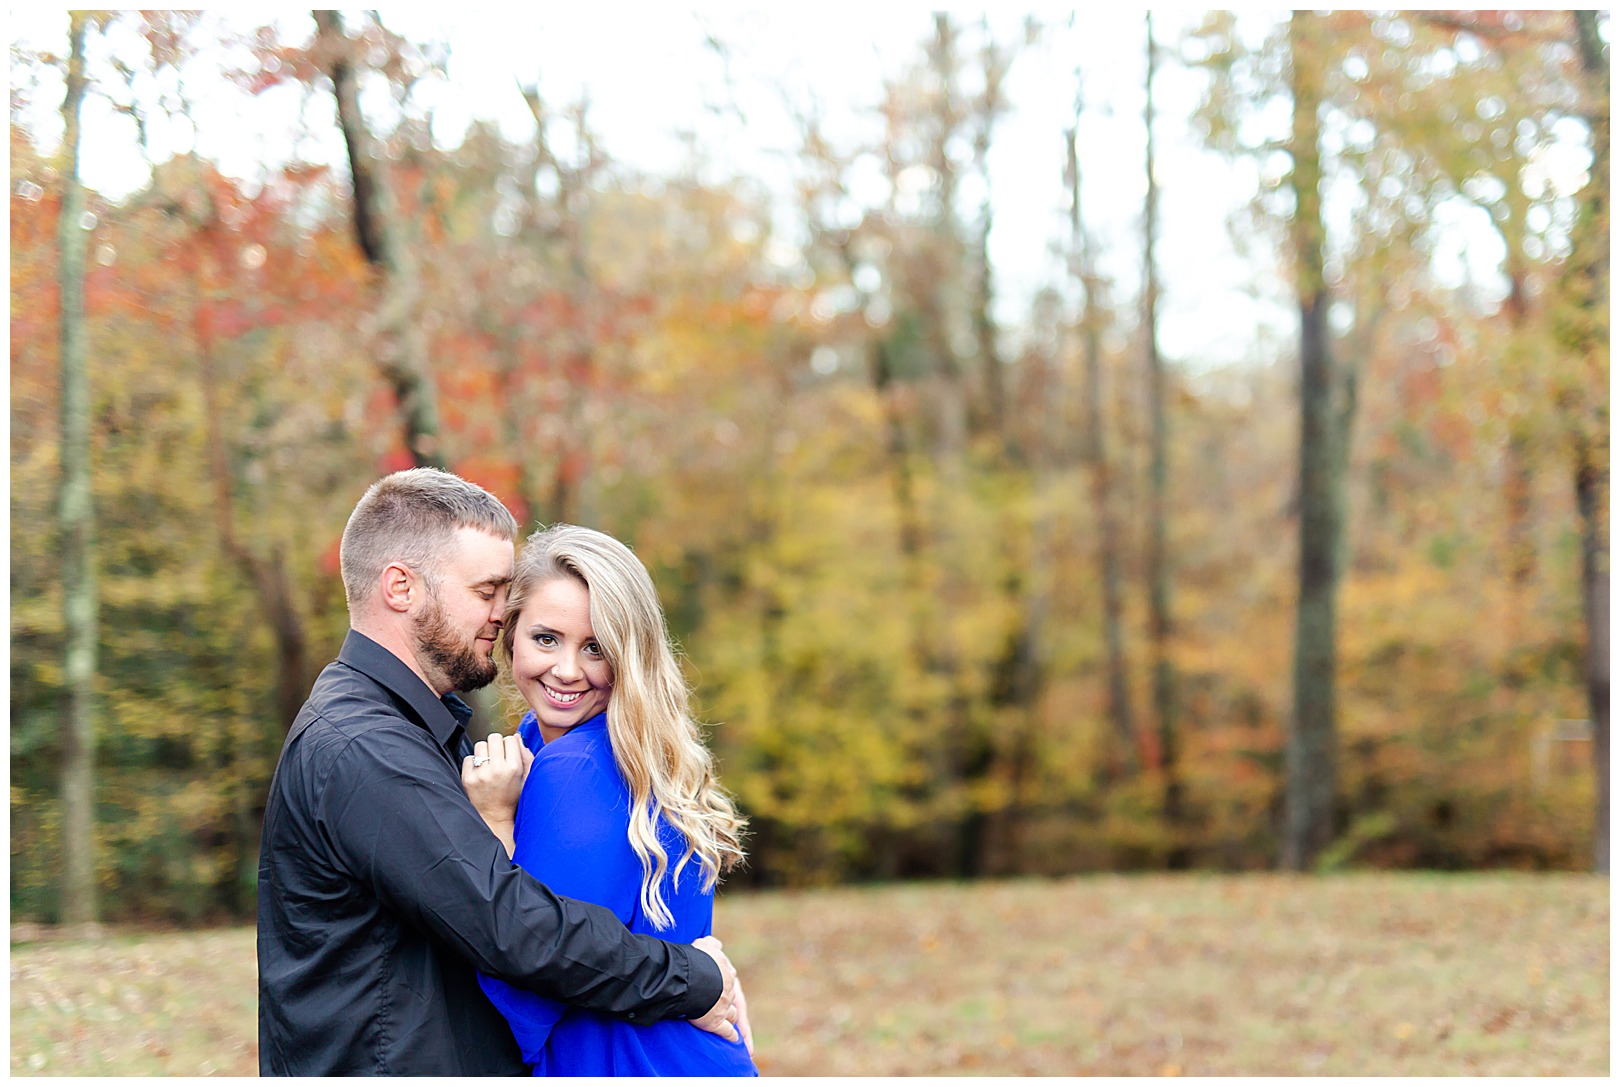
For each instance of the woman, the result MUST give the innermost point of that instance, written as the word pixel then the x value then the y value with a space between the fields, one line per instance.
pixel 620 806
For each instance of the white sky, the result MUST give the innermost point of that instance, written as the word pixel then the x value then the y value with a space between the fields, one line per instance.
pixel 650 76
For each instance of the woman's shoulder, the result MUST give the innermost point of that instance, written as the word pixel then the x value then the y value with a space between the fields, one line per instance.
pixel 580 751
pixel 573 795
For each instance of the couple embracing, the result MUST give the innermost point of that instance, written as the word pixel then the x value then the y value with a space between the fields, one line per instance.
pixel 539 902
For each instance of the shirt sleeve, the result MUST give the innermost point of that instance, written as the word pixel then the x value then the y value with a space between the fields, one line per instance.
pixel 529 730
pixel 394 816
pixel 530 1015
pixel 570 834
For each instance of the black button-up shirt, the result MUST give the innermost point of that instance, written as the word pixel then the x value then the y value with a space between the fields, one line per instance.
pixel 382 892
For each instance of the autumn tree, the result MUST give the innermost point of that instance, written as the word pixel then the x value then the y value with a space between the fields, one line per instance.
pixel 1312 754
pixel 1585 331
pixel 1292 66
pixel 1100 466
pixel 990 103
pixel 1159 564
pixel 77 517
pixel 559 229
pixel 1481 131
pixel 382 237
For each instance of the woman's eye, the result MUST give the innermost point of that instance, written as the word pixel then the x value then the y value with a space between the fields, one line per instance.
pixel 593 649
pixel 545 639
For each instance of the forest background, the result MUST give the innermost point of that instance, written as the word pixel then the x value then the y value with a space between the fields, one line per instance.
pixel 969 583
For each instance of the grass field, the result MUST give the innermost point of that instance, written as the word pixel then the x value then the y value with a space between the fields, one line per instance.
pixel 1375 974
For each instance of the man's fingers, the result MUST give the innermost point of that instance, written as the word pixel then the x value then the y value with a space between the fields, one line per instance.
pixel 718 1020
pixel 728 973
pixel 743 1028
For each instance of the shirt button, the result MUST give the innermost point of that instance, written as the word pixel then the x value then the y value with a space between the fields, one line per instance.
pixel 632 1015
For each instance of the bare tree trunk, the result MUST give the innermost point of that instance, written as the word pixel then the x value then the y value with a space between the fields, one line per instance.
pixel 517 405
pixel 569 499
pixel 1311 753
pixel 1517 486
pixel 571 449
pixel 993 411
pixel 1123 758
pixel 76 521
pixel 992 415
pixel 941 295
pixel 1159 621
pixel 401 353
pixel 1591 487
pixel 1589 264
pixel 1030 653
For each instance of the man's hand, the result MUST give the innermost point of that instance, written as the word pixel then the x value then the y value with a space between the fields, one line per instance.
pixel 742 1019
pixel 495 783
pixel 725 1012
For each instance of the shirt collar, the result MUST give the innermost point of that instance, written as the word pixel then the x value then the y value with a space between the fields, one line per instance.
pixel 441 716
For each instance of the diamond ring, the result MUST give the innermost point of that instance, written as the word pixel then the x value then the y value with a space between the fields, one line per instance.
pixel 479 760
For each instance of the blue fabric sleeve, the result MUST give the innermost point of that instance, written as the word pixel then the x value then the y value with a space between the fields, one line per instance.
pixel 530 1015
pixel 529 730
pixel 570 835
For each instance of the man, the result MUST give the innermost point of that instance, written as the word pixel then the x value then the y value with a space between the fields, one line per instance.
pixel 382 891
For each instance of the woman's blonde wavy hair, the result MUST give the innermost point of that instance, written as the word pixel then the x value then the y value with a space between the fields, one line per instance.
pixel 655 741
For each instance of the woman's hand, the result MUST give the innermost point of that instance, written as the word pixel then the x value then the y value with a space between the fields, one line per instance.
pixel 493 776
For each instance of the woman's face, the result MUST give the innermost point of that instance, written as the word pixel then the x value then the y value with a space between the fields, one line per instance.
pixel 556 660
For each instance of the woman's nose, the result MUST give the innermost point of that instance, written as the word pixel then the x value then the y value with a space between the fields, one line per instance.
pixel 566 666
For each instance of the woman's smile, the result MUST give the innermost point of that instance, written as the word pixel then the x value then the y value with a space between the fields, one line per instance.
pixel 561 698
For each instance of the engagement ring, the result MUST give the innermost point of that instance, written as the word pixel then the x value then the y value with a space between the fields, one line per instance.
pixel 479 760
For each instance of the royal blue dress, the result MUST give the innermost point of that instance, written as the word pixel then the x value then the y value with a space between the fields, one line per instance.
pixel 571 834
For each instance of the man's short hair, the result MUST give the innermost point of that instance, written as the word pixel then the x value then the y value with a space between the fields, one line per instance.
pixel 412 517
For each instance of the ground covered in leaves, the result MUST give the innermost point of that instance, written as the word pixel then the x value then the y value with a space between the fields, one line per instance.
pixel 1371 974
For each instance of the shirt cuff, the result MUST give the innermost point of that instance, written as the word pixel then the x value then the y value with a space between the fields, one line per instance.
pixel 703 982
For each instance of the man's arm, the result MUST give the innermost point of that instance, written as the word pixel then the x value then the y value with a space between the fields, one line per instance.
pixel 396 819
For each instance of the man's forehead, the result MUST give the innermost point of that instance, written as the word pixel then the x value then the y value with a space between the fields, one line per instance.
pixel 482 557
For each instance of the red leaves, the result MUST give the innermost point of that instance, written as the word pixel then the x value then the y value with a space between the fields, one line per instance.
pixel 395 460
pixel 330 561
pixel 276 64
pixel 498 474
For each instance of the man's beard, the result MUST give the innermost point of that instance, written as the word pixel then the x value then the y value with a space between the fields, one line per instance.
pixel 454 663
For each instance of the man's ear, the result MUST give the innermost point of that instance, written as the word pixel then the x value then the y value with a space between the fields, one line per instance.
pixel 400 587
